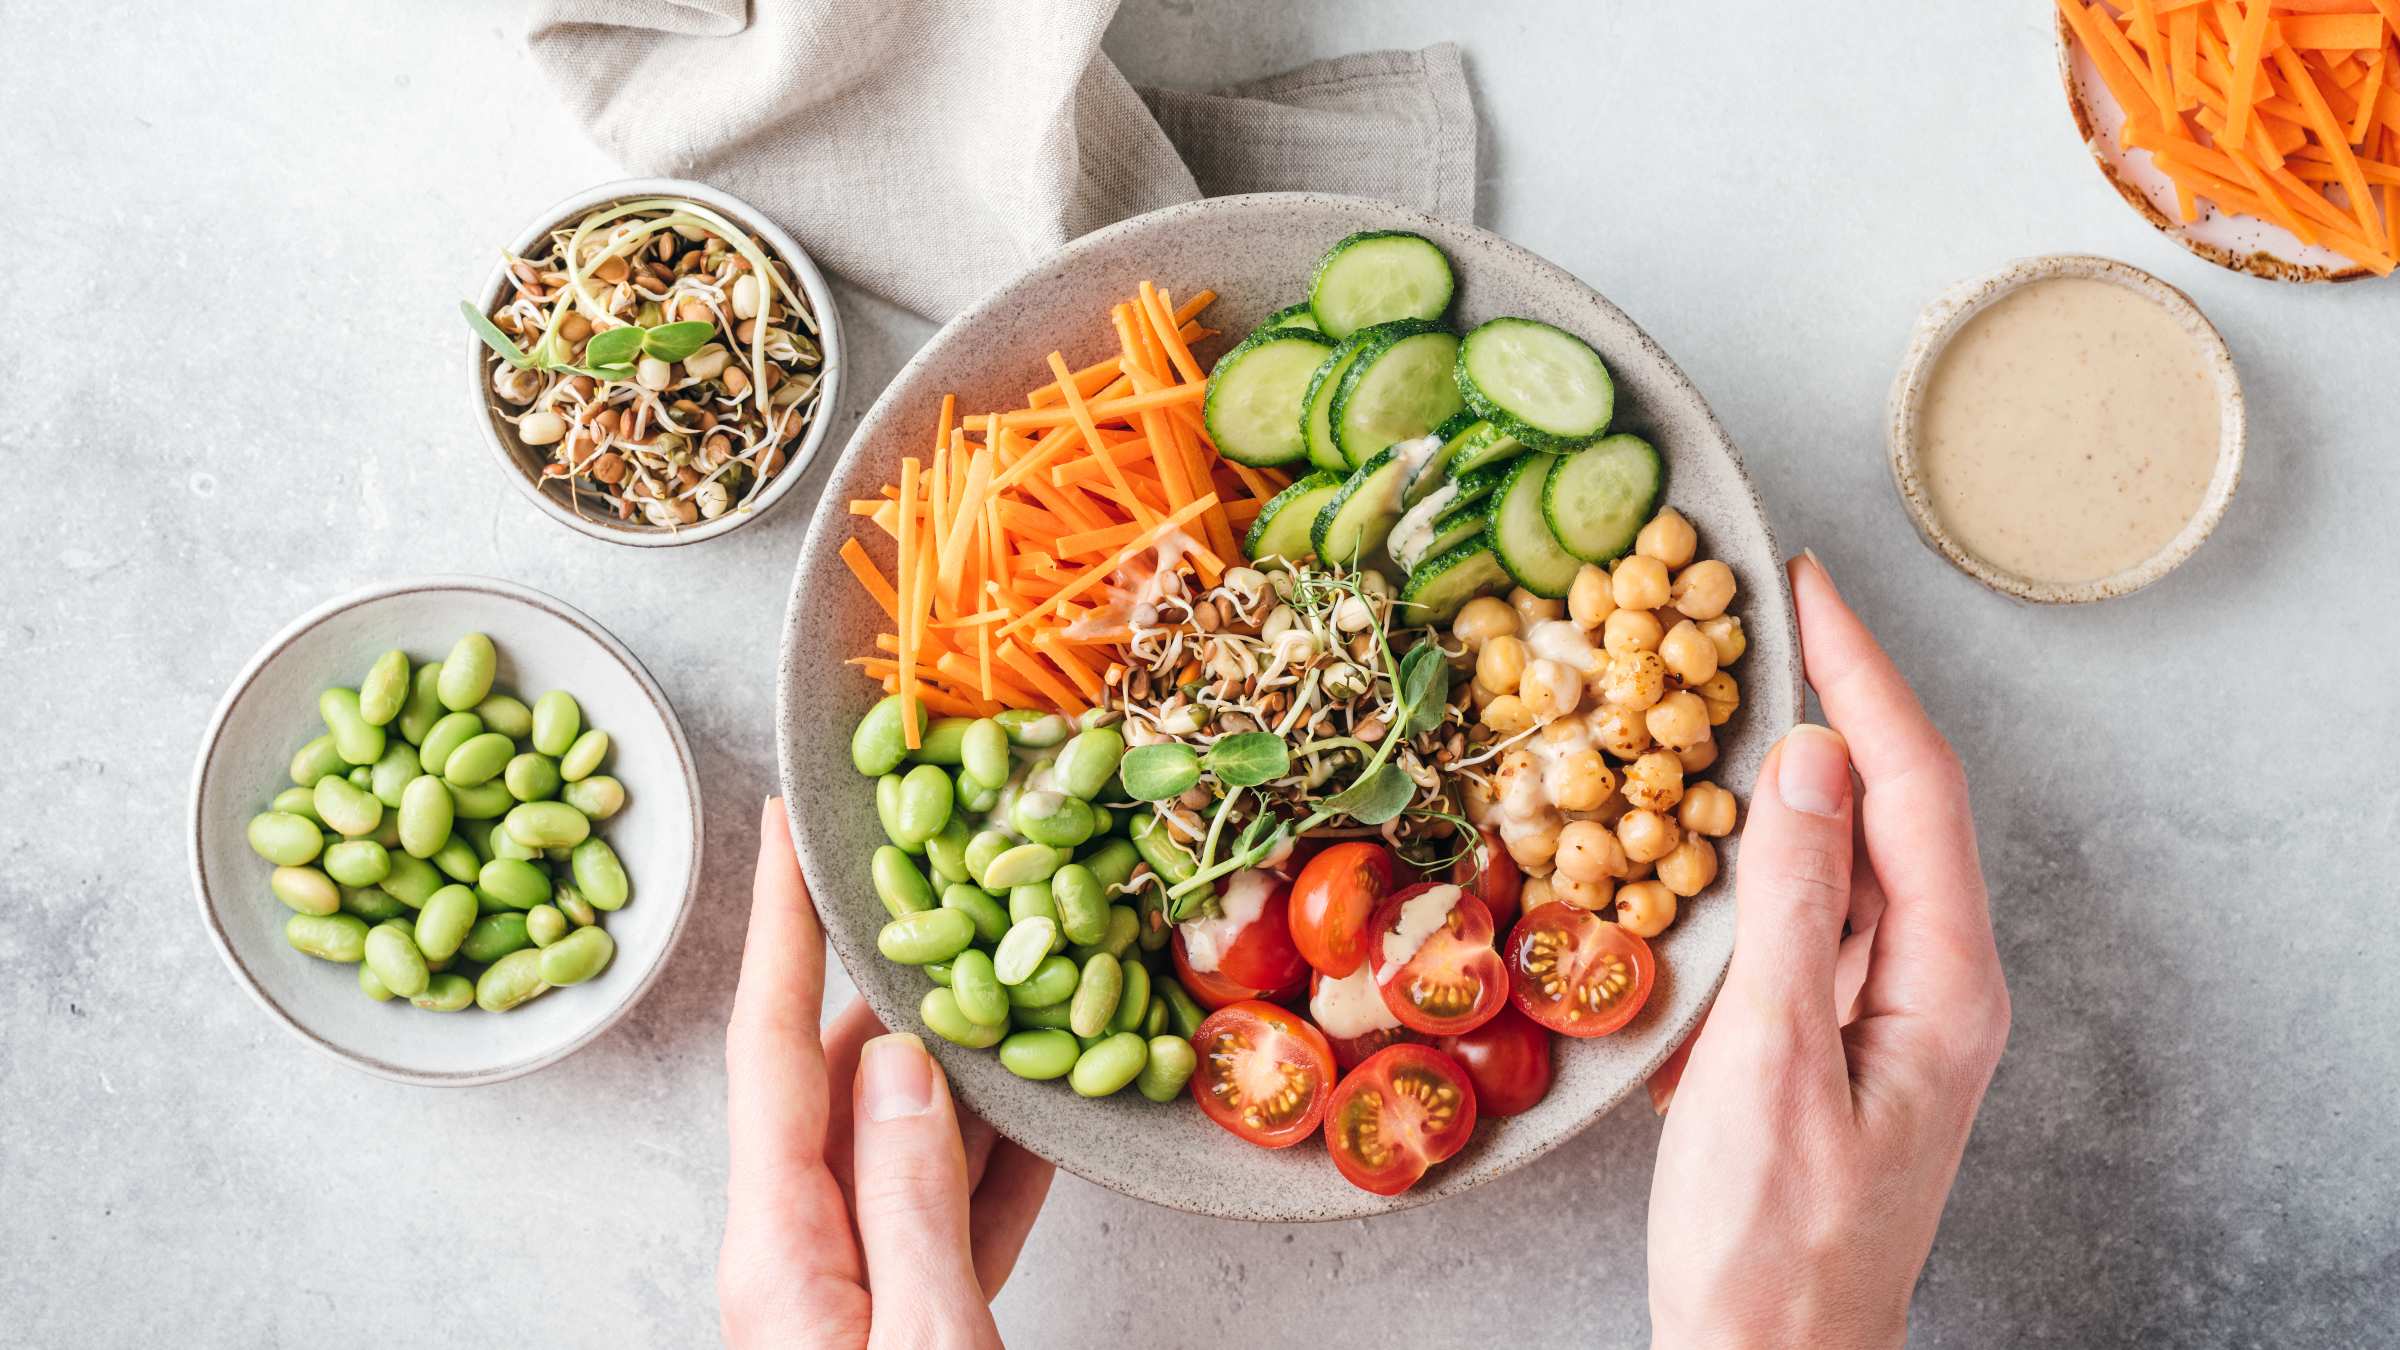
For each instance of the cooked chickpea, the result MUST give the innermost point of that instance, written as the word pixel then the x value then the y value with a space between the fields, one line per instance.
pixel 1678 720
pixel 1549 690
pixel 1536 893
pixel 1688 870
pixel 1704 589
pixel 1612 810
pixel 1697 758
pixel 1635 680
pixel 1586 850
pixel 1654 782
pixel 1592 599
pixel 1669 538
pixel 1533 846
pixel 1501 663
pixel 1580 780
pixel 1532 609
pixel 1639 583
pixel 1631 630
pixel 1645 908
pixel 1621 731
pixel 1688 652
pixel 1507 715
pixel 1721 695
pixel 1595 896
pixel 1483 618
pixel 1707 809
pixel 1647 835
pixel 1724 632
pixel 1639 871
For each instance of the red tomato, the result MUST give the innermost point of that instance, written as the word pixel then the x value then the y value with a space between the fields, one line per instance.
pixel 1265 1074
pixel 1332 900
pixel 1208 989
pixel 1405 1109
pixel 1508 1061
pixel 1493 877
pixel 1351 1051
pixel 1453 981
pixel 1575 972
pixel 1260 954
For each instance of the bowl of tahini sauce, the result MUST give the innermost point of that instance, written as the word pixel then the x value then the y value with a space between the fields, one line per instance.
pixel 2066 429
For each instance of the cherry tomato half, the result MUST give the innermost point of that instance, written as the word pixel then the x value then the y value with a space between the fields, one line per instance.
pixel 1494 877
pixel 1507 1059
pixel 1452 981
pixel 1333 898
pixel 1207 988
pixel 1254 933
pixel 1335 1003
pixel 1265 1074
pixel 1405 1109
pixel 1575 972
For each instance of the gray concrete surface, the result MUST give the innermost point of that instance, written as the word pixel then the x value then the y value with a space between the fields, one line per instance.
pixel 241 230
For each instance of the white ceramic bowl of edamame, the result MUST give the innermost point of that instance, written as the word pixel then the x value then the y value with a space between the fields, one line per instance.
pixel 270 711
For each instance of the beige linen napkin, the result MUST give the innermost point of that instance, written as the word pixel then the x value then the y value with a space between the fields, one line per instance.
pixel 928 149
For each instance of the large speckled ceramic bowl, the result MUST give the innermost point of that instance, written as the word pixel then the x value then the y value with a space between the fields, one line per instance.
pixel 1256 252
pixel 270 710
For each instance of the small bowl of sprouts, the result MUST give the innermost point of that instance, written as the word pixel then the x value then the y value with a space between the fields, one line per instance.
pixel 655 362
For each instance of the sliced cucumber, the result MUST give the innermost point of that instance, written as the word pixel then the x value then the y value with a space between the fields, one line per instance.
pixel 1477 484
pixel 1316 414
pixel 1599 498
pixel 1283 524
pixel 1377 276
pixel 1435 471
pixel 1360 516
pixel 1522 537
pixel 1434 526
pixel 1255 394
pixel 1399 388
pixel 1482 446
pixel 1544 386
pixel 1440 586
pixel 1291 316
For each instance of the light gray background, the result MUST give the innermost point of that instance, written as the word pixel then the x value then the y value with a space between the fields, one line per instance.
pixel 239 234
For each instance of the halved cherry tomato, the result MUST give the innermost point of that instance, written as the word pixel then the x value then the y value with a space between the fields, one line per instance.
pixel 1264 1073
pixel 1257 952
pixel 1333 898
pixel 1508 1060
pixel 1405 1109
pixel 1494 877
pixel 1351 1051
pixel 1575 972
pixel 1208 989
pixel 1452 981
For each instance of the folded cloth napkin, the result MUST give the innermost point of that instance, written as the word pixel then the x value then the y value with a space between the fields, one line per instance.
pixel 929 149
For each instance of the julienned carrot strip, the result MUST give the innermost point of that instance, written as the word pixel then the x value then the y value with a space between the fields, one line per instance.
pixel 1030 669
pixel 2132 94
pixel 2329 134
pixel 2353 32
pixel 1094 576
pixel 2183 56
pixel 909 615
pixel 1154 308
pixel 1106 410
pixel 1070 663
pixel 2248 54
pixel 1106 539
pixel 854 556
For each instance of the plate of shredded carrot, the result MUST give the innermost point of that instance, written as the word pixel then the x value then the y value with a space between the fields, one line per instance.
pixel 2262 135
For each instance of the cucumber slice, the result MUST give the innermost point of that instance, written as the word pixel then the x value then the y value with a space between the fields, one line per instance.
pixel 1255 393
pixel 1545 387
pixel 1483 446
pixel 1281 530
pixel 1434 526
pixel 1477 484
pixel 1398 389
pixel 1377 276
pixel 1435 471
pixel 1440 586
pixel 1360 516
pixel 1291 316
pixel 1316 414
pixel 1522 537
pixel 1599 498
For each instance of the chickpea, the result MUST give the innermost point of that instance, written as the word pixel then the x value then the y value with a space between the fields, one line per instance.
pixel 1654 782
pixel 1704 589
pixel 1640 583
pixel 1725 633
pixel 1645 908
pixel 1518 781
pixel 1678 720
pixel 1634 681
pixel 1508 715
pixel 1536 893
pixel 1631 630
pixel 1588 852
pixel 1707 809
pixel 1647 835
pixel 1697 758
pixel 1534 846
pixel 1579 781
pixel 1722 695
pixel 1688 870
pixel 1621 731
pixel 1501 664
pixel 1483 618
pixel 1589 602
pixel 1595 896
pixel 1688 653
pixel 1532 609
pixel 1669 538
pixel 1549 690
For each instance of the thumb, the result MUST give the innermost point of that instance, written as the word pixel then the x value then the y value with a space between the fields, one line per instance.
pixel 911 1188
pixel 1792 886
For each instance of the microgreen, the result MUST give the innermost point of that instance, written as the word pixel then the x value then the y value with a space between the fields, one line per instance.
pixel 1249 758
pixel 608 355
pixel 495 339
pixel 1157 773
pixel 675 341
pixel 616 347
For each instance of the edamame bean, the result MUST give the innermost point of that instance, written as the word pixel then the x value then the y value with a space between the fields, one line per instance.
pixel 576 957
pixel 340 938
pixel 557 720
pixel 355 739
pixel 1154 1023
pixel 973 797
pixel 345 808
pixel 446 993
pixel 424 705
pixel 598 796
pixel 1053 981
pixel 946 852
pixel 508 716
pixel 357 862
pixel 923 936
pixel 387 831
pixel 514 883
pixel 362 777
pixel 1039 1055
pixel 1032 900
pixel 1109 1065
pixel 1022 949
pixel 941 742
pixel 1173 863
pixel 1168 1068
pixel 372 985
pixel 990 917
pixel 372 903
pixel 411 880
pixel 1049 1017
pixel 1182 1012
pixel 305 890
pixel 1096 995
pixel 923 806
pixel 1150 906
pixel 598 874
pixel 1033 730
pixel 976 988
pixel 571 903
pixel 1051 818
pixel 479 760
pixel 494 936
pixel 443 923
pixel 938 972
pixel 545 924
pixel 1103 820
pixel 898 884
pixel 1082 905
pixel 887 811
pixel 548 825
pixel 499 843
pixel 285 839
pixel 444 739
pixel 983 753
pixel 534 778
pixel 940 1012
pixel 1086 763
pixel 315 760
pixel 583 758
pixel 394 772
pixel 1123 927
pixel 512 979
pixel 385 690
pixel 981 850
pixel 456 858
pixel 1112 863
pixel 392 954
pixel 1133 1004
pixel 299 801
pixel 484 801
pixel 879 742
pixel 466 677
pixel 1021 864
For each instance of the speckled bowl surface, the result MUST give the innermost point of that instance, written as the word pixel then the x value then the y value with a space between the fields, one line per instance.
pixel 1257 253
pixel 1950 312
pixel 270 711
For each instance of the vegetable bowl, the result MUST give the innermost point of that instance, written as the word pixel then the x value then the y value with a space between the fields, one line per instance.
pixel 1250 255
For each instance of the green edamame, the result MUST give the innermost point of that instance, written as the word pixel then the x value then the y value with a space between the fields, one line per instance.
pixel 1168 1068
pixel 599 796
pixel 479 760
pixel 983 753
pixel 879 742
pixel 973 798
pixel 355 739
pixel 424 705
pixel 1112 863
pixel 456 858
pixel 305 890
pixel 1039 1055
pixel 340 938
pixel 1082 905
pixel 583 758
pixel 887 811
pixel 941 742
pixel 922 806
pixel 484 801
pixel 1103 820
pixel 975 987
pixel 925 936
pixel 372 985
pixel 387 831
pixel 1173 863
pixel 1109 1065
pixel 1096 995
pixel 1133 1003
pixel 466 677
pixel 898 884
pixel 494 936
pixel 575 958
pixel 1023 948
pixel 513 882
pixel 444 921
pixel 446 736
pixel 557 721
pixel 285 839
pixel 534 778
pixel 989 915
pixel 385 689
pixel 981 850
pixel 499 843
pixel 372 903
pixel 548 825
pixel 346 809
pixel 1123 927
pixel 1019 865
pixel 1051 818
pixel 508 716
pixel 512 979
pixel 1087 762
pixel 571 903
pixel 298 801
pixel 941 1014
pixel 1154 1022
pixel 938 972
pixel 357 862
pixel 391 952
pixel 446 993
pixel 1049 1017
pixel 598 874
pixel 1184 1014
pixel 1032 900
pixel 1150 906
pixel 946 852
pixel 1032 730
pixel 315 760
pixel 361 777
pixel 1053 981
pixel 411 881
pixel 545 924
pixel 394 772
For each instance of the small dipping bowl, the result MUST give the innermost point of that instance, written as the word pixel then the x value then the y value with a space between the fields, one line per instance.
pixel 1942 321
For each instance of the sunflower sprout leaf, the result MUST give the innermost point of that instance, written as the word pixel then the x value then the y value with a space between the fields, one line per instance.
pixel 675 341
pixel 616 347
pixel 1156 773
pixel 1249 758
pixel 493 338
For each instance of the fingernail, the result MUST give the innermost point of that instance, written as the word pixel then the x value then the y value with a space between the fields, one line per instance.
pixel 1819 563
pixel 1812 773
pixel 896 1077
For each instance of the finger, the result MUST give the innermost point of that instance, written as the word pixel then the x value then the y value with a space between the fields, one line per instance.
pixel 1006 1203
pixel 1792 888
pixel 852 1027
pixel 776 1095
pixel 910 1176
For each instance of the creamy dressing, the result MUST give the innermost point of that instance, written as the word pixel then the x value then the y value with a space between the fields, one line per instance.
pixel 1561 641
pixel 1421 916
pixel 1349 1007
pixel 1412 534
pixel 1206 940
pixel 1138 603
pixel 2069 431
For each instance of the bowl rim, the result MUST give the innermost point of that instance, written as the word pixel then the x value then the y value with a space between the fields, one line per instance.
pixel 1941 321
pixel 273 648
pixel 829 378
pixel 831 510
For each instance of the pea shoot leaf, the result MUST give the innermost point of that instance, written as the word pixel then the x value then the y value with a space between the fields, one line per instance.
pixel 1249 758
pixel 1377 797
pixel 1424 688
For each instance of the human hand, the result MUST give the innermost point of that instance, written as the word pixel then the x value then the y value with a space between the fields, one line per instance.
pixel 861 1209
pixel 1813 1141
